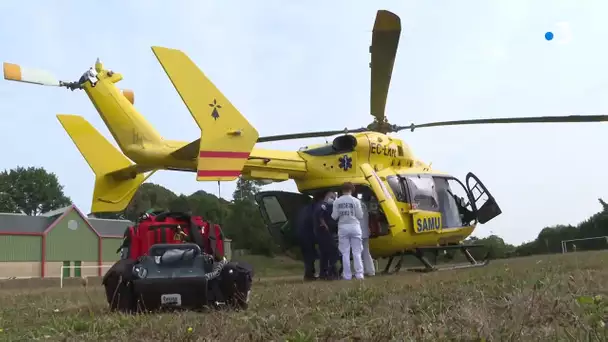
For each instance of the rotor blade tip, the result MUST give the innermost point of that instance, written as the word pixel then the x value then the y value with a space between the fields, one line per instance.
pixel 156 49
pixel 387 21
pixel 11 71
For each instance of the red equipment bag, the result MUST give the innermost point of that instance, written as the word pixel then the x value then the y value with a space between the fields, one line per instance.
pixel 374 225
pixel 171 228
pixel 214 242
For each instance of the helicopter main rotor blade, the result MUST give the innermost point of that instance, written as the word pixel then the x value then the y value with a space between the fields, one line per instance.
pixel 319 134
pixel 385 39
pixel 14 72
pixel 530 119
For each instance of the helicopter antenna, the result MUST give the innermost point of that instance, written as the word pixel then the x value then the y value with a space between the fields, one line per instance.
pixel 219 199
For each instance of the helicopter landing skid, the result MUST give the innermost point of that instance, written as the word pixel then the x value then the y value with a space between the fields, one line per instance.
pixel 428 267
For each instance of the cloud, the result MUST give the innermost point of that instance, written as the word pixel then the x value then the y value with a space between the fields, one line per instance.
pixel 563 33
pixel 495 53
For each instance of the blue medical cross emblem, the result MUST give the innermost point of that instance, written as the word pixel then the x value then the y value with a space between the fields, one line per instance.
pixel 346 162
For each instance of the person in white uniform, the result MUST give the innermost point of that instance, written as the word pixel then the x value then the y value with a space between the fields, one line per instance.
pixel 348 212
pixel 368 263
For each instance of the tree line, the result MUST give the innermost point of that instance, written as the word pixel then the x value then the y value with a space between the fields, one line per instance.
pixel 33 190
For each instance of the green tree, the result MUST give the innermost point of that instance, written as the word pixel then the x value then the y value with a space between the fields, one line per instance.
pixel 604 204
pixel 526 249
pixel 244 223
pixel 209 206
pixel 30 190
pixel 499 248
pixel 247 229
pixel 148 196
pixel 550 239
pixel 181 204
pixel 246 189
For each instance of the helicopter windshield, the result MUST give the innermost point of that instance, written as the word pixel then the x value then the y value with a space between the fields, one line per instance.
pixel 437 194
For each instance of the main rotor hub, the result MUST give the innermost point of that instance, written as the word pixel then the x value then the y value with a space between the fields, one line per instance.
pixel 382 127
pixel 90 75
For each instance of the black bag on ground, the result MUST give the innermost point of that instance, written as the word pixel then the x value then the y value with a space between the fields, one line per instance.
pixel 234 283
pixel 229 287
pixel 118 283
pixel 172 276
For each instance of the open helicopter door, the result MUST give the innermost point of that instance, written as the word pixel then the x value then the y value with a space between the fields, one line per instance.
pixel 489 209
pixel 279 210
pixel 385 199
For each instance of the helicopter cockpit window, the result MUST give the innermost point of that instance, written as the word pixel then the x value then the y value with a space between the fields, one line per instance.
pixel 449 191
pixel 422 192
pixel 397 187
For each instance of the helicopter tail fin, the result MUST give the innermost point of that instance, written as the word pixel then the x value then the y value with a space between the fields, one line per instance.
pixel 116 178
pixel 227 138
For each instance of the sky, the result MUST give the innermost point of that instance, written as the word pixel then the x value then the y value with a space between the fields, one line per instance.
pixel 303 66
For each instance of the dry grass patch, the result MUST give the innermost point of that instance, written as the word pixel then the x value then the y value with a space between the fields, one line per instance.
pixel 539 298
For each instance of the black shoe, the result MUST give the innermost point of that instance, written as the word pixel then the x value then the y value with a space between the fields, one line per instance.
pixel 330 277
pixel 310 278
pixel 324 277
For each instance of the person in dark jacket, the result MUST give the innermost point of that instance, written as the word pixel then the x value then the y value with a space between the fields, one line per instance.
pixel 307 240
pixel 324 227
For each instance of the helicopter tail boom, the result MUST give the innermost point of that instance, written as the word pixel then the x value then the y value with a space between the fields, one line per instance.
pixel 227 138
pixel 116 178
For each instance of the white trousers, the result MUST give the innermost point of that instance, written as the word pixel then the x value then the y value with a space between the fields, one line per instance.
pixel 349 238
pixel 368 262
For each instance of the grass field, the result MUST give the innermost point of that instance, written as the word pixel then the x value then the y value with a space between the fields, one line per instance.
pixel 529 299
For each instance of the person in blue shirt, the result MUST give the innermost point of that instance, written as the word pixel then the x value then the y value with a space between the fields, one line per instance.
pixel 324 227
pixel 307 240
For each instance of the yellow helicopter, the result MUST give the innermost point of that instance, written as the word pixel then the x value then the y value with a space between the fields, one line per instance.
pixel 413 208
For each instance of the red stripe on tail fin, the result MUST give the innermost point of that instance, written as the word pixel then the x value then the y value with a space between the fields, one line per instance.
pixel 223 154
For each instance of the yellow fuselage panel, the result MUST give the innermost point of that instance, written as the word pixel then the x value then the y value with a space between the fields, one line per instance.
pixel 332 166
pixel 283 162
pixel 379 150
pixel 385 152
pixel 125 123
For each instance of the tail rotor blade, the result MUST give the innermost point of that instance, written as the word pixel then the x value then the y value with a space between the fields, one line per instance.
pixel 14 72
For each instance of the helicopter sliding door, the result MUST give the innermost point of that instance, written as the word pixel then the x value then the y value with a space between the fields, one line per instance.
pixel 488 209
pixel 279 210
